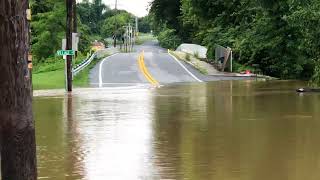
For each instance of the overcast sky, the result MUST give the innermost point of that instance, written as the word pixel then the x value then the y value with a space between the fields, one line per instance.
pixel 136 7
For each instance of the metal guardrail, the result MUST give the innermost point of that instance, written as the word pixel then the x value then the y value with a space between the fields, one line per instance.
pixel 83 64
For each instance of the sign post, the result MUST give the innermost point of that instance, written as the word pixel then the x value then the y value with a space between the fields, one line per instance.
pixel 66 53
pixel 69 24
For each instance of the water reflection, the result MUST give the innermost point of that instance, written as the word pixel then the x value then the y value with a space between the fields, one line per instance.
pixel 224 130
pixel 200 121
pixel 50 134
pixel 117 132
pixel 103 134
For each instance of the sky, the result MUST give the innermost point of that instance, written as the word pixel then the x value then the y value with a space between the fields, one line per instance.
pixel 136 7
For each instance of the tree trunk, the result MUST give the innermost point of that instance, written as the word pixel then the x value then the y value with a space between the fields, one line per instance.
pixel 17 133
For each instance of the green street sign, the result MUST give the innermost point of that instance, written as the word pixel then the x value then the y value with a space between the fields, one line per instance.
pixel 65 52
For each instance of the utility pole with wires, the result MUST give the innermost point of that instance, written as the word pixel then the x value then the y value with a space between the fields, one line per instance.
pixel 69 4
pixel 137 26
pixel 115 31
pixel 75 23
pixel 74 14
pixel 129 38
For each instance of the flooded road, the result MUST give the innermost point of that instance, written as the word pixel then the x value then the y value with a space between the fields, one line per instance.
pixel 233 130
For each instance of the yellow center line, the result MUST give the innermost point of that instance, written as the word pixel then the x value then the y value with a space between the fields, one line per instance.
pixel 145 71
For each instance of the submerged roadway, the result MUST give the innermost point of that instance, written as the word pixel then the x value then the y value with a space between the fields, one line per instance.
pixel 149 64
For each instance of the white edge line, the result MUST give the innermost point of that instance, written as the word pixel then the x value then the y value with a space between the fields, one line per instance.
pixel 100 69
pixel 185 68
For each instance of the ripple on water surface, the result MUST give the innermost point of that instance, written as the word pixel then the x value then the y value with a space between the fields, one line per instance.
pixel 223 130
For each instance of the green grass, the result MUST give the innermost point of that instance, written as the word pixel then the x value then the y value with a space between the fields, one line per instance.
pixel 187 58
pixel 56 79
pixel 51 75
pixel 82 79
pixel 201 70
pixel 176 56
pixel 49 80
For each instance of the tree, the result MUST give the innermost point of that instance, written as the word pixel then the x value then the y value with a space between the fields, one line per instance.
pixel 18 148
pixel 279 36
pixel 167 13
pixel 115 24
pixel 41 6
pixel 168 39
pixel 306 17
pixel 144 24
pixel 92 14
pixel 47 27
pixel 49 15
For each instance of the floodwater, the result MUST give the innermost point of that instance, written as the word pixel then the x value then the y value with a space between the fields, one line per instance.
pixel 232 130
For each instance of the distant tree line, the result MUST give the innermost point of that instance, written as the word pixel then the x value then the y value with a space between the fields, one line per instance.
pixel 282 37
pixel 145 24
pixel 96 21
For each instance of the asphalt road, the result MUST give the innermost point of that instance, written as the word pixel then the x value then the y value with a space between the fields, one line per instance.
pixel 123 69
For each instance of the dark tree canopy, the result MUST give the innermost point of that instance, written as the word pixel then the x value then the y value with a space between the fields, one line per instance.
pixel 279 36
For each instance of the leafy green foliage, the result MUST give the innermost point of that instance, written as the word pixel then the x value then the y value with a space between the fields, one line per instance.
pixel 145 24
pixel 92 14
pixel 48 28
pixel 115 24
pixel 315 80
pixel 168 39
pixel 49 24
pixel 279 36
pixel 166 12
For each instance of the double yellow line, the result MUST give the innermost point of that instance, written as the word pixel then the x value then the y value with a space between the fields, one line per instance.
pixel 145 71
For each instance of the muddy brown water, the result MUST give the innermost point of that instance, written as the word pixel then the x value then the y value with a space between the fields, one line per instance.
pixel 233 130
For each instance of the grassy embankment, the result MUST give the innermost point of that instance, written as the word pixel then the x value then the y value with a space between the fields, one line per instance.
pixel 188 58
pixel 51 75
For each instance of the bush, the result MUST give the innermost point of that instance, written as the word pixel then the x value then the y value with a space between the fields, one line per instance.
pixel 55 63
pixel 196 54
pixel 315 81
pixel 188 57
pixel 168 39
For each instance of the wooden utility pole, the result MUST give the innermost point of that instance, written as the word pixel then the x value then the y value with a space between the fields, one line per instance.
pixel 17 132
pixel 116 26
pixel 75 23
pixel 69 43
pixel 137 26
